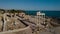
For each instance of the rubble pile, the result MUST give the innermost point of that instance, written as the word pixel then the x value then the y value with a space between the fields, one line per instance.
pixel 38 24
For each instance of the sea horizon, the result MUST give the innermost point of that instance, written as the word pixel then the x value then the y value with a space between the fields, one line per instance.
pixel 47 13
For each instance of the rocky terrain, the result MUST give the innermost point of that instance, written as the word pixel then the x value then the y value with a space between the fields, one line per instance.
pixel 18 22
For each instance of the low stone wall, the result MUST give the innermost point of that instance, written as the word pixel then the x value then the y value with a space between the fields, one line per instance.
pixel 26 30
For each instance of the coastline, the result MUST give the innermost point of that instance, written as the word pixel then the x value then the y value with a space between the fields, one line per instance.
pixel 16 20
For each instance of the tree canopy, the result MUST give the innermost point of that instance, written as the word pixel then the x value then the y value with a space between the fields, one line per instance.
pixel 11 11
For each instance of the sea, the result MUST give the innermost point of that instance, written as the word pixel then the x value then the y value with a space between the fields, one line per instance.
pixel 47 13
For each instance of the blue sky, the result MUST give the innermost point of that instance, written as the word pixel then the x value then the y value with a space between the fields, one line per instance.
pixel 30 4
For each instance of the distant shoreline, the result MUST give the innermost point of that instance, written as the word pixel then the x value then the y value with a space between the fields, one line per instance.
pixel 55 14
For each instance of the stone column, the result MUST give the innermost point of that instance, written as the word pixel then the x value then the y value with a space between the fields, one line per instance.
pixel 4 26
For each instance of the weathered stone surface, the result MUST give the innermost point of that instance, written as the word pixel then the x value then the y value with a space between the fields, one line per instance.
pixel 46 33
pixel 1 24
pixel 26 30
pixel 57 30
